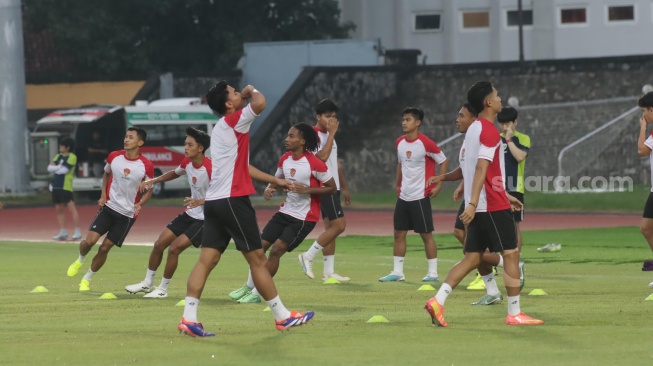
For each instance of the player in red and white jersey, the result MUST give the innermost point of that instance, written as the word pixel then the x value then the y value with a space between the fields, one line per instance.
pixel 417 158
pixel 228 212
pixel 333 215
pixel 488 214
pixel 120 202
pixel 186 229
pixel 299 213
pixel 645 147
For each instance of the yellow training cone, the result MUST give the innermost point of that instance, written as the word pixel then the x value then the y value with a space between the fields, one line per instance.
pixel 107 296
pixel 650 297
pixel 378 319
pixel 537 292
pixel 181 303
pixel 426 288
pixel 331 281
pixel 39 289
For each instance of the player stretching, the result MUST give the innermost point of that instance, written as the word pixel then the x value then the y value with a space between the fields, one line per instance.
pixel 645 147
pixel 186 229
pixel 120 202
pixel 300 211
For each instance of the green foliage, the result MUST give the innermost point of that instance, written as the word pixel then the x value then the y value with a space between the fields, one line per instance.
pixel 595 312
pixel 118 39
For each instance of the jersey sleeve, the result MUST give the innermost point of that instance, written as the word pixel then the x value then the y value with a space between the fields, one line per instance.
pixel 433 151
pixel 241 120
pixel 490 141
pixel 522 142
pixel 149 169
pixel 71 161
pixel 56 157
pixel 649 141
pixel 208 165
pixel 319 169
pixel 279 172
pixel 181 169
pixel 112 155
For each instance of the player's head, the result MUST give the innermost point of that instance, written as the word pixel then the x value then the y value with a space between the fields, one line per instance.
pixel 224 99
pixel 301 136
pixel 645 103
pixel 197 142
pixel 325 110
pixel 66 145
pixel 411 119
pixel 507 118
pixel 482 95
pixel 465 118
pixel 134 138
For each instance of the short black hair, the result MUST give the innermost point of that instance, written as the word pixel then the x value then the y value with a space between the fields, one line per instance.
pixel 217 96
pixel 201 137
pixel 142 135
pixel 471 110
pixel 646 101
pixel 309 135
pixel 68 142
pixel 477 93
pixel 416 112
pixel 326 106
pixel 507 114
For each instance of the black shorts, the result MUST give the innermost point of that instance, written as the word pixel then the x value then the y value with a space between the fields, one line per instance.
pixel 189 226
pixel 288 229
pixel 230 218
pixel 61 196
pixel 518 215
pixel 414 215
pixel 331 207
pixel 491 230
pixel 459 224
pixel 116 224
pixel 648 208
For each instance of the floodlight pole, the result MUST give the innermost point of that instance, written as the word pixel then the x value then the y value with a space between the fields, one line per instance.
pixel 521 30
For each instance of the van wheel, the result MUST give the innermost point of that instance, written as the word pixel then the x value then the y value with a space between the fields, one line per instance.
pixel 158 189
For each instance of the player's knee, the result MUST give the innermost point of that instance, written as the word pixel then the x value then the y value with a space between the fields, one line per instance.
pixel 277 251
pixel 459 234
pixel 646 230
pixel 339 225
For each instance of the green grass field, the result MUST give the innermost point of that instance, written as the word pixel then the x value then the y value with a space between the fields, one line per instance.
pixel 595 311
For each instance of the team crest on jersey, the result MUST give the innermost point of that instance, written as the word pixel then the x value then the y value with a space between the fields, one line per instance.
pixel 126 172
pixel 292 172
pixel 408 154
pixel 194 180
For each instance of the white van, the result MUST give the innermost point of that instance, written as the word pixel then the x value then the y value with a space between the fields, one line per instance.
pixel 164 120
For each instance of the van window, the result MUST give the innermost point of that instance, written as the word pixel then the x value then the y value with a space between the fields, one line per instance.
pixel 168 135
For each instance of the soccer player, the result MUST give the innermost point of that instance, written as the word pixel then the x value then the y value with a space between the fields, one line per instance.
pixel 645 147
pixel 488 213
pixel 300 211
pixel 120 202
pixel 186 229
pixel 228 212
pixel 418 156
pixel 332 213
pixel 63 168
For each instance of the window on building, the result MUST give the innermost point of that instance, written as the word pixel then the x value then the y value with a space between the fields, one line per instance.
pixel 621 13
pixel 428 22
pixel 573 16
pixel 168 135
pixel 476 19
pixel 512 18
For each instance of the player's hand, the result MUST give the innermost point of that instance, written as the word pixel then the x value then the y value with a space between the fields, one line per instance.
pixel 190 202
pixel 346 196
pixel 297 187
pixel 332 125
pixel 435 191
pixel 642 123
pixel 268 192
pixel 434 180
pixel 468 215
pixel 137 208
pixel 54 164
pixel 515 204
pixel 458 194
pixel 247 92
pixel 280 182
pixel 145 185
pixel 102 201
pixel 509 132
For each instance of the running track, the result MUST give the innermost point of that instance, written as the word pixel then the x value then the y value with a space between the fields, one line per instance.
pixel 39 224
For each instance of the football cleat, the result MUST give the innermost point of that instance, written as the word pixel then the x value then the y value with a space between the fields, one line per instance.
pixel 335 276
pixel 73 269
pixel 61 236
pixel 307 266
pixel 392 278
pixel 296 319
pixel 550 248
pixel 85 285
pixel 430 277
pixel 489 300
pixel 477 284
pixel 193 329
pixel 522 319
pixel 157 293
pixel 242 291
pixel 139 287
pixel 249 298
pixel 436 311
pixel 76 236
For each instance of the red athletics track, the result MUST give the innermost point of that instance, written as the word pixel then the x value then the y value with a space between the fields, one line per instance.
pixel 39 224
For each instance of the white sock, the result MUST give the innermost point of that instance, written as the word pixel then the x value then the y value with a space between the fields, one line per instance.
pixel 312 251
pixel 500 265
pixel 443 292
pixel 513 305
pixel 89 275
pixel 491 284
pixel 329 264
pixel 433 266
pixel 250 280
pixel 190 309
pixel 255 292
pixel 278 310
pixel 399 266
pixel 164 284
pixel 81 258
pixel 149 277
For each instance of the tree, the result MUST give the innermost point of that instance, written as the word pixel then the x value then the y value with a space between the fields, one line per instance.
pixel 121 39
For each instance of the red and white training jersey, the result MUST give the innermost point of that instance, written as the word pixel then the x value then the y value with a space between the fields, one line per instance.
pixel 126 174
pixel 332 161
pixel 417 158
pixel 482 141
pixel 310 172
pixel 649 143
pixel 198 179
pixel 230 156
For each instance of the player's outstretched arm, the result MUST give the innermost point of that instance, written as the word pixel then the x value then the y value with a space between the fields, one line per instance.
pixel 257 102
pixel 147 184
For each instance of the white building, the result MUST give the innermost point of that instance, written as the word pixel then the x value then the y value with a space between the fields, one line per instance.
pixel 464 31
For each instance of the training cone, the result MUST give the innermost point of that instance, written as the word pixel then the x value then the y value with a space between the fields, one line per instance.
pixel 537 292
pixel 378 319
pixel 181 303
pixel 650 297
pixel 267 309
pixel 426 288
pixel 39 289
pixel 107 296
pixel 331 281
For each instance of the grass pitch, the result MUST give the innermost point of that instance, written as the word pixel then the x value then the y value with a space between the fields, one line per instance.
pixel 595 312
